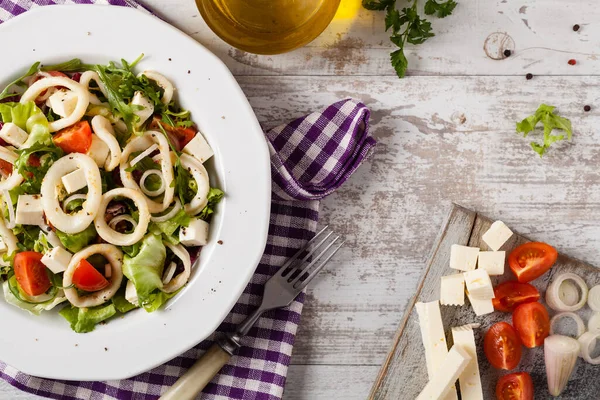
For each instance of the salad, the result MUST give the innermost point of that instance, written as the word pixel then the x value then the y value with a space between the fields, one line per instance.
pixel 104 196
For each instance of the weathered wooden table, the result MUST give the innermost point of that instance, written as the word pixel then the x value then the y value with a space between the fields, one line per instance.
pixel 446 133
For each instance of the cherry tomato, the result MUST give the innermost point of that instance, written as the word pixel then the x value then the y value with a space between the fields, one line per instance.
pixel 6 168
pixel 87 278
pixel 510 294
pixel 517 386
pixel 532 323
pixel 31 273
pixel 75 139
pixel 502 346
pixel 531 260
pixel 178 136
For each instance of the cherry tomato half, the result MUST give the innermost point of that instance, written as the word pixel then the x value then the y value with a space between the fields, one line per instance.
pixel 510 294
pixel 87 278
pixel 532 323
pixel 502 346
pixel 531 260
pixel 517 386
pixel 31 273
pixel 75 139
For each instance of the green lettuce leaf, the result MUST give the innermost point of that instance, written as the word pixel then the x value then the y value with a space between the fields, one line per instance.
pixel 84 320
pixel 76 242
pixel 550 121
pixel 35 309
pixel 145 270
pixel 214 197
pixel 121 304
pixel 168 228
pixel 157 299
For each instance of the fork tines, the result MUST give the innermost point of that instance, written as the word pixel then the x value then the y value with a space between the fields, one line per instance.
pixel 308 261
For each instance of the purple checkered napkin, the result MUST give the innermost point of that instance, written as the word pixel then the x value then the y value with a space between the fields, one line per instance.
pixel 310 158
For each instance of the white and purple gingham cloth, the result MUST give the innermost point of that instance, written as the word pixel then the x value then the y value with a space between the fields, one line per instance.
pixel 310 158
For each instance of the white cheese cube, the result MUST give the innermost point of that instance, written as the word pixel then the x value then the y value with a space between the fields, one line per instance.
pixel 62 102
pixel 442 382
pixel 195 234
pixel 492 262
pixel 470 379
pixel 131 294
pixel 29 210
pixel 463 258
pixel 199 148
pixel 497 235
pixel 98 151
pixel 452 292
pixel 74 181
pixel 479 284
pixel 481 307
pixel 3 247
pixel 14 135
pixel 57 259
pixel 147 107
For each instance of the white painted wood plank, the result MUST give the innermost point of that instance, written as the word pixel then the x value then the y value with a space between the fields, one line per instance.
pixel 541 31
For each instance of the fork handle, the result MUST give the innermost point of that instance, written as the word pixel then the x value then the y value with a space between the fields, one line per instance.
pixel 199 375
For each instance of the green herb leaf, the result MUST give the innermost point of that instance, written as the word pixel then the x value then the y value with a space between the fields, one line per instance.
pixel 399 62
pixel 74 65
pixel 442 10
pixel 6 92
pixel 378 4
pixel 214 197
pixel 550 121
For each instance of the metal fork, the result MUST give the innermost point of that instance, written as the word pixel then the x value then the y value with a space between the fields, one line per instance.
pixel 280 290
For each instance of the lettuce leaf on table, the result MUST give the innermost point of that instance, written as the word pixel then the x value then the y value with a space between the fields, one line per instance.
pixel 550 121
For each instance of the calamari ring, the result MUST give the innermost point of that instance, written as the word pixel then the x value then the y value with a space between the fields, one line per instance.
pixel 52 184
pixel 114 257
pixel 83 99
pixel 177 282
pixel 200 175
pixel 85 80
pixel 117 238
pixel 105 132
pixel 9 238
pixel 15 178
pixel 141 143
pixel 163 83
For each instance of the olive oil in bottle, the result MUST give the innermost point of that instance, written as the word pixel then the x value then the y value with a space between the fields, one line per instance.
pixel 268 26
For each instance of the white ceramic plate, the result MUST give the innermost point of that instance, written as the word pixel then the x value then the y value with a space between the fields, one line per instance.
pixel 45 346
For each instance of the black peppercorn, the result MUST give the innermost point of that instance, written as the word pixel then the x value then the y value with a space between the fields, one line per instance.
pixel 529 76
pixel 587 108
pixel 576 27
pixel 507 53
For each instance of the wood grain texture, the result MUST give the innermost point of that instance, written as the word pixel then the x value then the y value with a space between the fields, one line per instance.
pixel 405 361
pixel 539 32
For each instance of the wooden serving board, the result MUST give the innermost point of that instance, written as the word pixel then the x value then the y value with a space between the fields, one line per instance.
pixel 404 374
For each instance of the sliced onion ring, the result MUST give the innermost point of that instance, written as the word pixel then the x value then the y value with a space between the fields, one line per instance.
pixel 15 178
pixel 71 198
pixel 9 239
pixel 142 143
pixel 554 299
pixel 83 99
pixel 148 192
pixel 114 257
pixel 568 292
pixel 200 175
pixel 170 214
pixel 120 218
pixel 114 237
pixel 105 132
pixel 143 154
pixel 576 318
pixel 180 280
pixel 594 323
pixel 587 342
pixel 594 298
pixel 71 223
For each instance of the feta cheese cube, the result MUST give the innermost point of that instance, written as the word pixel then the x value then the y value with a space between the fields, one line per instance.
pixel 29 210
pixel 492 262
pixel 3 247
pixel 195 234
pixel 57 259
pixel 62 102
pixel 479 284
pixel 131 294
pixel 497 235
pixel 98 151
pixel 14 135
pixel 148 108
pixel 463 258
pixel 199 148
pixel 481 307
pixel 74 181
pixel 452 292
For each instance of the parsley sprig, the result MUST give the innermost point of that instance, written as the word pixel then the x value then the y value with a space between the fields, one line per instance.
pixel 407 26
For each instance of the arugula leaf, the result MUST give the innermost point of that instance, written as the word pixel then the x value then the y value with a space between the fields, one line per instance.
pixel 407 26
pixel 214 197
pixel 550 121
pixel 27 236
pixel 19 81
pixel 34 175
pixel 74 65
pixel 440 9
